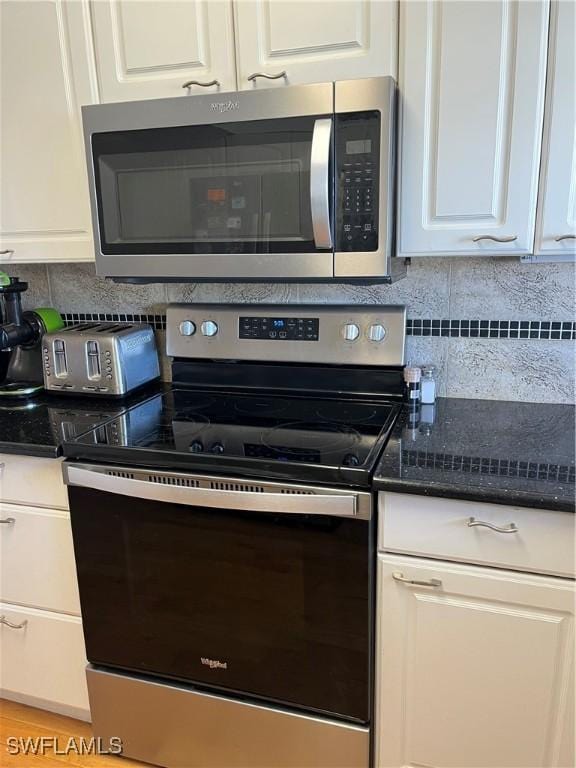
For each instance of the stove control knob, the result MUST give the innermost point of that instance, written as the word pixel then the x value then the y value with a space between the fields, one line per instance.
pixel 196 446
pixel 376 332
pixel 217 448
pixel 209 328
pixel 187 328
pixel 351 332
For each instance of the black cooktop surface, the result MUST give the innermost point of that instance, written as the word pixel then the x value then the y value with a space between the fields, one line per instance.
pixel 309 439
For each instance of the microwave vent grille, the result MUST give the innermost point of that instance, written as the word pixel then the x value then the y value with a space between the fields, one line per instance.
pixel 120 473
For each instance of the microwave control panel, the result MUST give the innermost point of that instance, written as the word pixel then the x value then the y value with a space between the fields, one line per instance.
pixel 357 181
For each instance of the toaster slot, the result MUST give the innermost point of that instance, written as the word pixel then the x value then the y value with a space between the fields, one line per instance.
pixel 93 360
pixel 60 362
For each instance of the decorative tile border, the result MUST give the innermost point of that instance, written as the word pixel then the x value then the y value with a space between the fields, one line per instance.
pixel 447 462
pixel 158 322
pixel 481 329
pixel 493 329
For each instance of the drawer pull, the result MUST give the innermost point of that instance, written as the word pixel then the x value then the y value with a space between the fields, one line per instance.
pixel 503 239
pixel 255 75
pixel 7 521
pixel 512 528
pixel 416 582
pixel 190 83
pixel 4 620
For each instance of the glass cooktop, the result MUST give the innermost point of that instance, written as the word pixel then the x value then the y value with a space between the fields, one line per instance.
pixel 261 434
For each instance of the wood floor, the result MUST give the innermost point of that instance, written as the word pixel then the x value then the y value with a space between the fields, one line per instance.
pixel 22 722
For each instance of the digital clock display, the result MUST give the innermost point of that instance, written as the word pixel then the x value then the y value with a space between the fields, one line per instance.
pixel 358 146
pixel 279 328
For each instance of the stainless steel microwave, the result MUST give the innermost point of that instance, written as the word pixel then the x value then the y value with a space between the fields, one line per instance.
pixel 292 183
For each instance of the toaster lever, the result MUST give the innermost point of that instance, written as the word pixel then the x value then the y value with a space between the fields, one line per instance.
pixel 60 362
pixel 93 360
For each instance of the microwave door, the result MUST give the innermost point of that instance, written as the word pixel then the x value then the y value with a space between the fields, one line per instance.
pixel 232 199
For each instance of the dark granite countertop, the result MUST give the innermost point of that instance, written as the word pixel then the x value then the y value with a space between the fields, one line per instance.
pixel 38 426
pixel 484 450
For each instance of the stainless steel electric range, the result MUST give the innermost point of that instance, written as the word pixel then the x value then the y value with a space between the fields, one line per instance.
pixel 224 533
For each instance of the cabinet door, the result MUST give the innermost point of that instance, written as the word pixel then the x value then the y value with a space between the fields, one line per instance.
pixel 43 660
pixel 37 559
pixel 476 671
pixel 556 221
pixel 314 41
pixel 472 77
pixel 148 49
pixel 46 75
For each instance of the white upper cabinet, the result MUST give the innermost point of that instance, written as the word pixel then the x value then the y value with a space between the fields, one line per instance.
pixel 46 75
pixel 556 220
pixel 147 50
pixel 314 40
pixel 472 83
pixel 474 667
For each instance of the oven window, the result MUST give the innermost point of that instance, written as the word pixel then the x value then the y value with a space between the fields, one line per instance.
pixel 236 187
pixel 275 607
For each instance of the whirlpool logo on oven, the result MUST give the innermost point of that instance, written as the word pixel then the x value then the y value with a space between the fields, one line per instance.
pixel 224 106
pixel 214 663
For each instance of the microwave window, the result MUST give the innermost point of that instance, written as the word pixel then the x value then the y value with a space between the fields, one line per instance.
pixel 240 186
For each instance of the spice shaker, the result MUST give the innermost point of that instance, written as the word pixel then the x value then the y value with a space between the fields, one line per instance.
pixel 428 384
pixel 412 378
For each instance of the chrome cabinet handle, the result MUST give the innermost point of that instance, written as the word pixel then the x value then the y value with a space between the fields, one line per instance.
pixel 565 237
pixel 4 620
pixel 512 528
pixel 7 521
pixel 320 182
pixel 6 251
pixel 254 75
pixel 202 85
pixel 504 239
pixel 397 576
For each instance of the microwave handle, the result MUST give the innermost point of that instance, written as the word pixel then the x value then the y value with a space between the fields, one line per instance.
pixel 320 182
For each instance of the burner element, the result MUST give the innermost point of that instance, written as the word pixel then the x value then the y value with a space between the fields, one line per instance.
pixel 257 406
pixel 321 436
pixel 349 413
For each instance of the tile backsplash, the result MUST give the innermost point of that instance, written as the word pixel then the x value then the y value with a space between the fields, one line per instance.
pixel 495 328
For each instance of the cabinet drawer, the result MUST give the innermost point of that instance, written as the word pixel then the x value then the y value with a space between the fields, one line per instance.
pixel 435 527
pixel 37 559
pixel 32 480
pixel 44 661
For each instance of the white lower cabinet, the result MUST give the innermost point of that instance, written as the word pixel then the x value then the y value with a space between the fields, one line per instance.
pixel 43 660
pixel 474 666
pixel 37 559
pixel 42 654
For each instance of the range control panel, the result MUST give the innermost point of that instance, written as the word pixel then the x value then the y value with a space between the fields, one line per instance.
pixel 280 328
pixel 357 186
pixel 276 333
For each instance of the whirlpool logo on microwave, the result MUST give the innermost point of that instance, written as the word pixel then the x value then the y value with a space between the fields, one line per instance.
pixel 214 663
pixel 224 106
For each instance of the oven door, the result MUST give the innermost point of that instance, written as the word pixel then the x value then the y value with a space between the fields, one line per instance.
pixel 257 589
pixel 214 187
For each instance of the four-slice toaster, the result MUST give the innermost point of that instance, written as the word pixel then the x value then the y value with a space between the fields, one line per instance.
pixel 99 358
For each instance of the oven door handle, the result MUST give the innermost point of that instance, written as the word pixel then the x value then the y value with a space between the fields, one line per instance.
pixel 334 505
pixel 320 182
